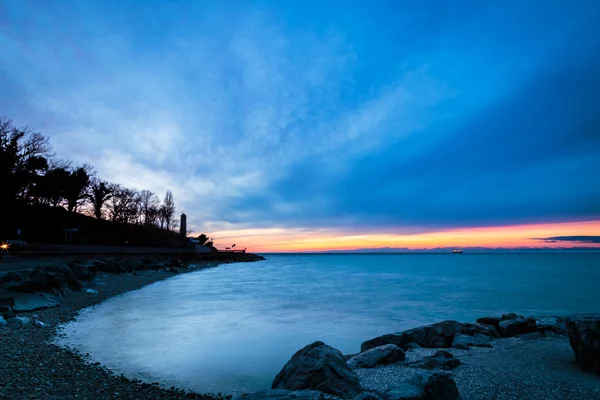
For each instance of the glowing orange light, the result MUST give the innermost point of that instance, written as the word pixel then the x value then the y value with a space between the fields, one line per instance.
pixel 4 246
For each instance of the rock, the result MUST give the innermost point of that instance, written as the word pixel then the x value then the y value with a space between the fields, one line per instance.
pixel 479 329
pixel 461 346
pixel 30 302
pixel 441 360
pixel 173 270
pixel 280 394
pixel 551 324
pixel 510 316
pixel 6 307
pixel 91 291
pixel 382 355
pixel 478 340
pixel 3 321
pixel 39 323
pixel 439 386
pixel 318 367
pixel 430 336
pixel 81 270
pixel 584 335
pixel 404 391
pixel 516 326
pixel 412 345
pixel 493 321
pixel 19 321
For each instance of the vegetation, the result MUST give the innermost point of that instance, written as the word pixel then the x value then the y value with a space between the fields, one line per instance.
pixel 33 178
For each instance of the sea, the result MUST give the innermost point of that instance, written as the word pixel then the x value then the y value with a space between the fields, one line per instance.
pixel 231 329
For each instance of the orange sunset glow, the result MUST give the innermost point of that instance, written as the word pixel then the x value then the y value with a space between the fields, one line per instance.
pixel 289 240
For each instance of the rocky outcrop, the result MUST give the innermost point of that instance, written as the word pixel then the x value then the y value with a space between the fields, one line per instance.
pixel 492 321
pixel 440 335
pixel 319 367
pixel 436 386
pixel 440 360
pixel 584 335
pixel 382 355
pixel 516 326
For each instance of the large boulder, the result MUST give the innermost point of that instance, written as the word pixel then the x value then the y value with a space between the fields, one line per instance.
pixel 437 386
pixel 493 321
pixel 516 326
pixel 440 360
pixel 319 367
pixel 382 355
pixel 584 335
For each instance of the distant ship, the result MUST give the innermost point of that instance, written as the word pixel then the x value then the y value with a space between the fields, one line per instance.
pixel 457 251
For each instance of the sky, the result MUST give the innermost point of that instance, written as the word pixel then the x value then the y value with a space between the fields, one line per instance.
pixel 315 125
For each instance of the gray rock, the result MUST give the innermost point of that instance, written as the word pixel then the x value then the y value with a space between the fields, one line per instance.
pixel 412 345
pixel 440 360
pixel 30 302
pixel 493 321
pixel 551 324
pixel 280 394
pixel 404 391
pixel 6 307
pixel 516 326
pixel 439 386
pixel 430 336
pixel 3 321
pixel 19 321
pixel 478 340
pixel 584 335
pixel 382 355
pixel 319 367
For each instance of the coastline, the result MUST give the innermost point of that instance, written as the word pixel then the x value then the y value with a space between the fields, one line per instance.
pixel 32 367
pixel 538 365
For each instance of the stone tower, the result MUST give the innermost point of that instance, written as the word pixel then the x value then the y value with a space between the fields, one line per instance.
pixel 183 225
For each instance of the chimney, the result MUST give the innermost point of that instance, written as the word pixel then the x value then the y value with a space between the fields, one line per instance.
pixel 183 225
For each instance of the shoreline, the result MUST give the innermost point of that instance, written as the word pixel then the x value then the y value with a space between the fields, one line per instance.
pixel 33 367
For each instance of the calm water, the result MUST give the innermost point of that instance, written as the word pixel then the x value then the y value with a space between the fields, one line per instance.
pixel 232 328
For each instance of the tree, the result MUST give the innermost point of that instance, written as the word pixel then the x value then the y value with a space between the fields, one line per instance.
pixel 99 192
pixel 149 207
pixel 76 188
pixel 122 206
pixel 202 238
pixel 169 210
pixel 23 156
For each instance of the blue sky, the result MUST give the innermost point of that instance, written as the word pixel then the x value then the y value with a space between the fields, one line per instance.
pixel 374 116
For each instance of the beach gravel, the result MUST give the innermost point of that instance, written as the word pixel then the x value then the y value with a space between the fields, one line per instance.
pixel 541 369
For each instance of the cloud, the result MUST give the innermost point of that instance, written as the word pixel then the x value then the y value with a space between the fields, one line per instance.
pixel 572 239
pixel 263 117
